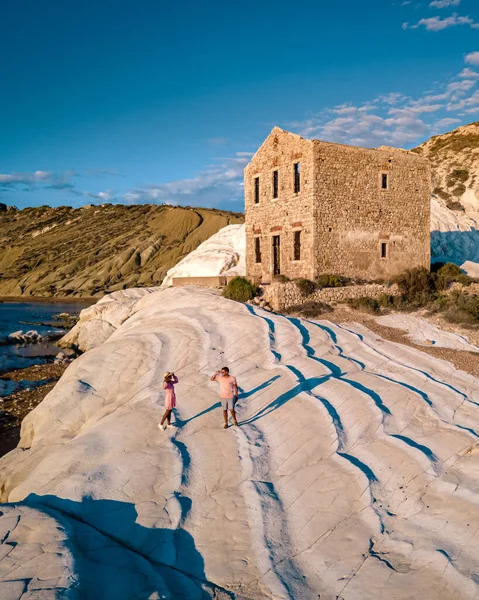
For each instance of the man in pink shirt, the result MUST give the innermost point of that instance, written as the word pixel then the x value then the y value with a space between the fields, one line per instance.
pixel 228 392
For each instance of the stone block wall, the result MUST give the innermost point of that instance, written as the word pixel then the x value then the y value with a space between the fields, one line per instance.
pixel 345 217
pixel 354 215
pixel 283 216
pixel 283 295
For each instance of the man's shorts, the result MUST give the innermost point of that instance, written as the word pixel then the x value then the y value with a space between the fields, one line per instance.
pixel 228 403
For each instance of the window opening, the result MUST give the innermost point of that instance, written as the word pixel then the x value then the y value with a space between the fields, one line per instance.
pixel 297 245
pixel 384 181
pixel 275 184
pixel 257 249
pixel 384 250
pixel 297 177
pixel 276 255
pixel 256 190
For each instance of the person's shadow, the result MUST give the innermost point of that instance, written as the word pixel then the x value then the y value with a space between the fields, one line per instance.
pixel 115 558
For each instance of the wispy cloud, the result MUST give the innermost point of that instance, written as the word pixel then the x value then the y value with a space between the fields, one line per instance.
pixel 469 74
pixel 394 119
pixel 472 58
pixel 216 185
pixel 444 3
pixel 438 24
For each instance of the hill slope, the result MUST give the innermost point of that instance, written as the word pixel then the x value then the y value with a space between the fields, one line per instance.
pixel 84 252
pixel 454 158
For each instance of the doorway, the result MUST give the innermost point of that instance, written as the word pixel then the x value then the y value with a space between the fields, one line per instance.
pixel 276 255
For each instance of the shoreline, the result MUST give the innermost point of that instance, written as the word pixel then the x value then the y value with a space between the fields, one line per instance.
pixel 16 406
pixel 50 299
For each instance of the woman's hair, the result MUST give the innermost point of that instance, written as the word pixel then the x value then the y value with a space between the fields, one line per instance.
pixel 166 375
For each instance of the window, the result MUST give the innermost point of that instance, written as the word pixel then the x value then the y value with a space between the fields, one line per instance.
pixel 297 245
pixel 275 184
pixel 297 177
pixel 256 190
pixel 384 250
pixel 384 181
pixel 257 250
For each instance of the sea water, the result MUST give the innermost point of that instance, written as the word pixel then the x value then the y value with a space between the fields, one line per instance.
pixel 28 316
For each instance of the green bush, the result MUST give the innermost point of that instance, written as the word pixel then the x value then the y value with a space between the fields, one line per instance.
pixel 281 278
pixel 240 289
pixel 331 281
pixel 305 286
pixel 309 309
pixel 462 309
pixel 417 286
pixel 459 190
pixel 365 303
pixel 450 273
pixel 388 301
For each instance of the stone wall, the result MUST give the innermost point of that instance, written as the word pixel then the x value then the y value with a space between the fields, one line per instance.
pixel 216 281
pixel 354 215
pixel 345 217
pixel 290 212
pixel 283 295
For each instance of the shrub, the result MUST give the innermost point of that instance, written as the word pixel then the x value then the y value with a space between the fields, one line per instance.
pixel 462 309
pixel 281 278
pixel 309 309
pixel 240 289
pixel 455 205
pixel 450 273
pixel 365 303
pixel 305 286
pixel 459 190
pixel 331 281
pixel 417 286
pixel 387 301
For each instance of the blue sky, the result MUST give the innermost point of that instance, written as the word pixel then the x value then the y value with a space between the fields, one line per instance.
pixel 154 101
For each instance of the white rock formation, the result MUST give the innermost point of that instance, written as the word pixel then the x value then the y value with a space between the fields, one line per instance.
pixel 454 237
pixel 222 254
pixel 353 474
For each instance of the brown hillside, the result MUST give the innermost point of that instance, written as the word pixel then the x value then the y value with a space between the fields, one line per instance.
pixel 91 250
pixel 454 158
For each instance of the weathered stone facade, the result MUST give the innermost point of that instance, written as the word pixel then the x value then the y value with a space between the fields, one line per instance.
pixel 284 295
pixel 359 212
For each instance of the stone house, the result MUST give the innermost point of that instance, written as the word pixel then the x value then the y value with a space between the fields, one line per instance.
pixel 315 207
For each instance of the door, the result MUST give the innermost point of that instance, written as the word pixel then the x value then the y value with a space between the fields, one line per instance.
pixel 276 255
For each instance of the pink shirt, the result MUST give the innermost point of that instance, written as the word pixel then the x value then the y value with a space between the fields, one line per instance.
pixel 227 386
pixel 170 396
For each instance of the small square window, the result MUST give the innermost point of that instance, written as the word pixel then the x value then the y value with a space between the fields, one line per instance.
pixel 256 190
pixel 257 250
pixel 384 250
pixel 384 181
pixel 297 245
pixel 297 177
pixel 275 184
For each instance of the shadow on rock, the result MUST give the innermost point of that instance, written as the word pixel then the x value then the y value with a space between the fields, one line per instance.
pixel 115 558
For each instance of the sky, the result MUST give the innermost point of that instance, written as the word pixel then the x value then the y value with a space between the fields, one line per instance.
pixel 150 101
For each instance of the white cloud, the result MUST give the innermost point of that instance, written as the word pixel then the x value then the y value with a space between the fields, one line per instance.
pixel 437 24
pixel 215 185
pixel 469 74
pixel 465 103
pixel 461 87
pixel 445 123
pixel 444 3
pixel 472 58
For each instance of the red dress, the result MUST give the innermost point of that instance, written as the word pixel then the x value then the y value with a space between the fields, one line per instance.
pixel 170 397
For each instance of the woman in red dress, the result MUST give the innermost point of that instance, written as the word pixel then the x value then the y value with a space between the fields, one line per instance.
pixel 169 382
